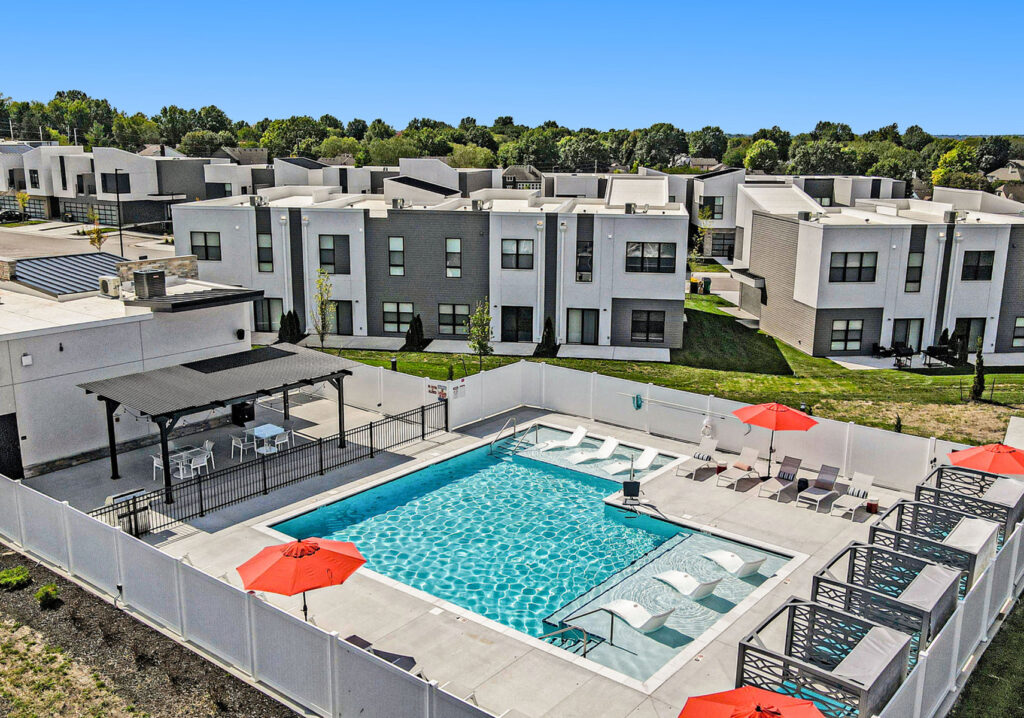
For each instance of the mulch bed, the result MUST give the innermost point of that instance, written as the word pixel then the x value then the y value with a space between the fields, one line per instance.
pixel 145 668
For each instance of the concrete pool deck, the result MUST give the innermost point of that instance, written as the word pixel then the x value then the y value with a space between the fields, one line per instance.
pixel 494 664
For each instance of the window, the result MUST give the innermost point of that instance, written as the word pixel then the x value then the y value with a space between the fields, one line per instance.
pixel 671 199
pixel 584 260
pixel 397 316
pixel 452 318
pixel 453 257
pixel 517 254
pixel 227 189
pixel 715 204
pixel 647 326
pixel 268 314
pixel 824 201
pixel 334 253
pixel 908 332
pixel 651 257
pixel 264 253
pixel 396 256
pixel 723 244
pixel 581 326
pixel 970 330
pixel 977 266
pixel 846 334
pixel 112 183
pixel 339 317
pixel 206 246
pixel 33 178
pixel 517 324
pixel 915 262
pixel 853 267
pixel 1018 332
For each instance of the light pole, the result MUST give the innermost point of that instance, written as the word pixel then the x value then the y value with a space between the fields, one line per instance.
pixel 117 191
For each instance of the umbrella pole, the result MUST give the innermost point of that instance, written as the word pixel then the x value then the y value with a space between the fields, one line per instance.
pixel 771 450
pixel 305 611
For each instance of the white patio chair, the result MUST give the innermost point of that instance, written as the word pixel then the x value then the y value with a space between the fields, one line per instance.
pixel 856 495
pixel 786 477
pixel 208 448
pixel 687 585
pixel 602 452
pixel 188 469
pixel 734 564
pixel 243 444
pixel 572 442
pixel 702 458
pixel 200 463
pixel 642 463
pixel 158 466
pixel 823 488
pixel 745 467
pixel 281 440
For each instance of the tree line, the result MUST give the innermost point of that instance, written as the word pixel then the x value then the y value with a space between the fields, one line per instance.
pixel 830 148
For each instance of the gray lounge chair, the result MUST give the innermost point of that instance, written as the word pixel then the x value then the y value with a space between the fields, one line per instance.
pixel 702 458
pixel 744 467
pixel 856 495
pixel 823 488
pixel 783 479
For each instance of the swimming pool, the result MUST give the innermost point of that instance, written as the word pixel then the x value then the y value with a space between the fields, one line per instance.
pixel 519 541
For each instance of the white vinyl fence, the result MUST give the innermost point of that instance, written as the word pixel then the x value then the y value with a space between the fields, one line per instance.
pixel 307 665
pixel 942 668
pixel 897 461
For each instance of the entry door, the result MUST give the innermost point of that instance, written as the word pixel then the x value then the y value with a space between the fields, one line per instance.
pixel 971 328
pixel 517 324
pixel 340 320
pixel 581 327
pixel 908 332
pixel 10 447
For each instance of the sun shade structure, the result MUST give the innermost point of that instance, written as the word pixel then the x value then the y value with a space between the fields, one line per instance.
pixel 777 417
pixel 166 395
pixel 996 458
pixel 300 566
pixel 749 702
pixel 984 494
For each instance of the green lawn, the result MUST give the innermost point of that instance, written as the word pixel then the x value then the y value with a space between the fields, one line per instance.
pixel 705 264
pixel 997 684
pixel 23 224
pixel 753 367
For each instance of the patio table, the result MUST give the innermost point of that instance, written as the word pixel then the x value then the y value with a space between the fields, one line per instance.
pixel 186 453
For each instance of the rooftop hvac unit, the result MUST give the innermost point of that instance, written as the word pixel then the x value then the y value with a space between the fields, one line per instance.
pixel 257 200
pixel 149 283
pixel 110 286
pixel 804 216
pixel 476 205
pixel 630 207
pixel 949 216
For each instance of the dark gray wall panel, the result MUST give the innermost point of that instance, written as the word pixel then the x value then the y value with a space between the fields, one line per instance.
pixel 1013 291
pixel 870 334
pixel 622 320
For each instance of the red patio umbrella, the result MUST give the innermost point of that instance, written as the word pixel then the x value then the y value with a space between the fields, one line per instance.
pixel 749 702
pixel 777 417
pixel 996 458
pixel 300 566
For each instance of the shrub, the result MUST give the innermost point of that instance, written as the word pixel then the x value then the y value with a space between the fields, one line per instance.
pixel 48 596
pixel 11 579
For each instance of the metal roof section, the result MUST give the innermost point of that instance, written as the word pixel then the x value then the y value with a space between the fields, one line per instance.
pixel 67 274
pixel 242 376
pixel 417 183
pixel 303 162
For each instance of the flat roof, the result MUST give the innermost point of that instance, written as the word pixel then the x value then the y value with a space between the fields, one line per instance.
pixel 220 381
pixel 201 299
pixel 66 274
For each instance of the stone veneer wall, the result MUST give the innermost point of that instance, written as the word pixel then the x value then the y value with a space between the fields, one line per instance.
pixel 184 266
pixel 7 268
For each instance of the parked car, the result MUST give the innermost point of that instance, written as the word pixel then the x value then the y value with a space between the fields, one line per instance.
pixel 12 215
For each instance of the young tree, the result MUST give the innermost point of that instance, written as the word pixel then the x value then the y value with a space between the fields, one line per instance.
pixel 978 387
pixel 479 337
pixel 95 233
pixel 322 304
pixel 703 233
pixel 548 346
pixel 22 198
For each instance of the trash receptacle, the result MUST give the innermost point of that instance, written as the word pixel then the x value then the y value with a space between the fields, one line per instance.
pixel 694 285
pixel 706 282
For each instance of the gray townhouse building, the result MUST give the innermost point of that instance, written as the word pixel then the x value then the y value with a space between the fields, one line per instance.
pixel 841 281
pixel 610 272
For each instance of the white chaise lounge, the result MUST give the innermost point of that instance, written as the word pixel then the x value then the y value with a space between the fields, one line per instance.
pixel 688 585
pixel 572 442
pixel 602 452
pixel 703 458
pixel 642 463
pixel 638 617
pixel 737 566
pixel 856 495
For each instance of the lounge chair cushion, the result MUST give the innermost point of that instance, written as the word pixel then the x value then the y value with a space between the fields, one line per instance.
pixel 743 467
pixel 1007 492
pixel 857 493
pixel 928 586
pixel 700 455
pixel 871 656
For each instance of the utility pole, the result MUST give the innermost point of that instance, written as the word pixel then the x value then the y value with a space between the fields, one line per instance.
pixel 117 191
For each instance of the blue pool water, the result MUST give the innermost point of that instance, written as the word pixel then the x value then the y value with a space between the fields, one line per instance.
pixel 515 540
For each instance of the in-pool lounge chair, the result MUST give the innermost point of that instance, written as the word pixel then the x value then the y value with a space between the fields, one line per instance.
pixel 786 477
pixel 736 565
pixel 687 585
pixel 823 488
pixel 856 495
pixel 602 452
pixel 572 442
pixel 638 617
pixel 702 458
pixel 744 467
pixel 642 463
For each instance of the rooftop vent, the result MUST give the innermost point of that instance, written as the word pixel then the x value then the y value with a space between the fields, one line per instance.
pixel 803 216
pixel 630 207
pixel 949 216
pixel 397 203
pixel 476 205
pixel 149 283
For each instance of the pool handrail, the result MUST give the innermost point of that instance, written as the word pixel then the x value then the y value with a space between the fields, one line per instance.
pixel 510 420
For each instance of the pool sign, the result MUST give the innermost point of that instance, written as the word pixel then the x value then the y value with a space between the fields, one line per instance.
pixel 439 390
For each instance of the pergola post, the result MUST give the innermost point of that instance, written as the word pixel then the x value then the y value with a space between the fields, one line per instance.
pixel 339 382
pixel 287 415
pixel 111 407
pixel 165 457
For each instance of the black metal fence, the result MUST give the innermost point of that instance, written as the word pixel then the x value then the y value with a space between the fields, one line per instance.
pixel 145 512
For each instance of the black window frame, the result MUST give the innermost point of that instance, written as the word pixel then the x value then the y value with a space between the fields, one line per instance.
pixel 263 312
pixel 453 323
pixel 915 272
pixel 642 323
pixel 723 244
pixel 452 259
pixel 651 261
pixel 1017 338
pixel 33 179
pixel 584 260
pixel 205 255
pixel 264 254
pixel 328 256
pixel 517 259
pixel 400 327
pixel 858 273
pixel 333 316
pixel 901 327
pixel 717 205
pixel 977 270
pixel 846 335
pixel 396 257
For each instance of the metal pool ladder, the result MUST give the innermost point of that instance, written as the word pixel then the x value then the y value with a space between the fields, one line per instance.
pixel 535 427
pixel 497 437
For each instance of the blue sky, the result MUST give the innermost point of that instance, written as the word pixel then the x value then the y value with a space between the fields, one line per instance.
pixel 600 64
